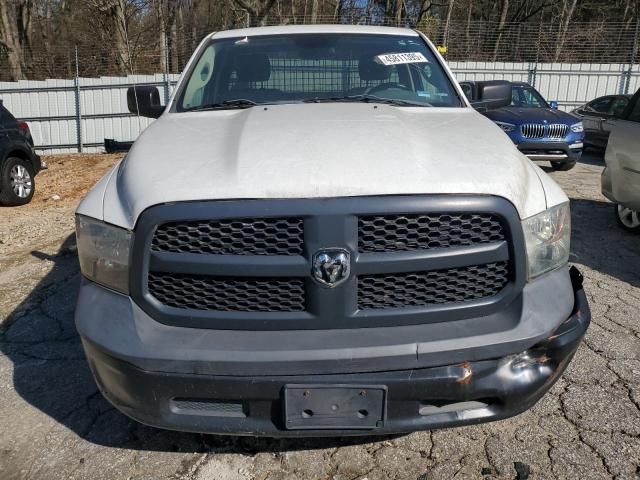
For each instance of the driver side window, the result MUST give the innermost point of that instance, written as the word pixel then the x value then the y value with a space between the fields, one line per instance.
pixel 618 106
pixel 530 99
pixel 600 105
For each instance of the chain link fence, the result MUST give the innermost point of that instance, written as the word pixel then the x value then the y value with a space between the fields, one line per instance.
pixel 593 42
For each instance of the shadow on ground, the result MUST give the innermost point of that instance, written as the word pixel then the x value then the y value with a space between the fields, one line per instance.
pixel 51 374
pixel 599 243
pixel 593 156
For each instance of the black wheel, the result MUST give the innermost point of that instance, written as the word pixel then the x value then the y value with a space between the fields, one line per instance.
pixel 17 184
pixel 562 166
pixel 627 218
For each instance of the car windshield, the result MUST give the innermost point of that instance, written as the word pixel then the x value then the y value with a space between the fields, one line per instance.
pixel 243 72
pixel 527 97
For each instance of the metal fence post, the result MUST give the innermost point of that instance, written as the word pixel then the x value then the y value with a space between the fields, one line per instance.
pixel 531 74
pixel 634 52
pixel 78 105
pixel 625 79
pixel 165 87
pixel 165 73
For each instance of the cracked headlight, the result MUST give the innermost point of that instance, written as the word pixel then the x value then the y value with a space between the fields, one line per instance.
pixel 577 127
pixel 547 236
pixel 506 127
pixel 104 251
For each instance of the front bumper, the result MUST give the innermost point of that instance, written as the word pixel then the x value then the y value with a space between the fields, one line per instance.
pixel 416 399
pixel 563 151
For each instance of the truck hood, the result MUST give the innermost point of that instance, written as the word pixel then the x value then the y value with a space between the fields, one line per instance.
pixel 316 151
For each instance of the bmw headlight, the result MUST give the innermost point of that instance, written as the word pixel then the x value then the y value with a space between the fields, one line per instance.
pixel 547 236
pixel 506 127
pixel 577 127
pixel 103 251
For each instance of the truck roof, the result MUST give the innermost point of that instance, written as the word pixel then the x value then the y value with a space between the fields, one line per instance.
pixel 301 29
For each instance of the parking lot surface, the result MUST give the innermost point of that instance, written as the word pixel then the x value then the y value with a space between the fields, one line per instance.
pixel 56 425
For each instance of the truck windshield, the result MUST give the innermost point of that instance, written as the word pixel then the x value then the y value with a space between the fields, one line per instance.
pixel 272 69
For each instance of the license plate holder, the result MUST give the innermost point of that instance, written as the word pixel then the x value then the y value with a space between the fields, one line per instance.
pixel 338 407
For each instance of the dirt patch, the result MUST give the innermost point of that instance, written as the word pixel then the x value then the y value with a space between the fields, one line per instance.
pixel 58 191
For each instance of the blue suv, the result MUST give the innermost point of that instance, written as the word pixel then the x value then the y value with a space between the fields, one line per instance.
pixel 538 128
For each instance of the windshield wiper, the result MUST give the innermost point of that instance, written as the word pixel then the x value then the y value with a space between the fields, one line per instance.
pixel 226 105
pixel 367 99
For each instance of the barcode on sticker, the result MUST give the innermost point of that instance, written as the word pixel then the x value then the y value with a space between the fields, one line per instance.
pixel 400 58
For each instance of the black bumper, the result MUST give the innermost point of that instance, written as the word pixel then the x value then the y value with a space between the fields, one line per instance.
pixel 416 399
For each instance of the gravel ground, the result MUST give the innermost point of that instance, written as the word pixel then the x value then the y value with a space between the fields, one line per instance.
pixel 55 425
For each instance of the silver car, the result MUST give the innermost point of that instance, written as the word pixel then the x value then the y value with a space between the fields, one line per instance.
pixel 621 177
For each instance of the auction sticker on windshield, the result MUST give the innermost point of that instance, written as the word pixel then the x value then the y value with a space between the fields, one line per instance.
pixel 400 58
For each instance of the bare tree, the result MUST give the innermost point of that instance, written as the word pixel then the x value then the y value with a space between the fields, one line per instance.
pixel 258 10
pixel 503 20
pixel 467 30
pixel 447 22
pixel 160 11
pixel 15 34
pixel 399 5
pixel 567 13
pixel 38 37
pixel 338 9
pixel 114 16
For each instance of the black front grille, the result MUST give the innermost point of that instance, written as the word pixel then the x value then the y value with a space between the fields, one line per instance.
pixel 253 270
pixel 454 285
pixel 245 236
pixel 389 233
pixel 225 294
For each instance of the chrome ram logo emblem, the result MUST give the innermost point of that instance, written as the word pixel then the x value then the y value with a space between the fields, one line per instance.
pixel 331 266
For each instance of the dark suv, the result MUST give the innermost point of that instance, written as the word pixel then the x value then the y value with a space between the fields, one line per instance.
pixel 19 162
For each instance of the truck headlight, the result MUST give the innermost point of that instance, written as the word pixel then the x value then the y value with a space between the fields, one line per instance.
pixel 577 127
pixel 506 127
pixel 103 251
pixel 547 236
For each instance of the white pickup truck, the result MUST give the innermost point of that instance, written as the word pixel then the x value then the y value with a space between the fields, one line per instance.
pixel 321 236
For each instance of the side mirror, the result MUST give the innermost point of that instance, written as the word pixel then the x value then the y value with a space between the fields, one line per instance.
pixel 492 94
pixel 553 104
pixel 144 100
pixel 468 90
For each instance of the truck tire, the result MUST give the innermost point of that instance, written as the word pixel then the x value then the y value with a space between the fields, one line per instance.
pixel 17 184
pixel 562 166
